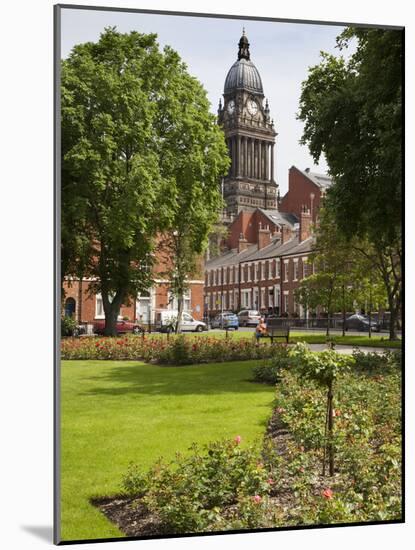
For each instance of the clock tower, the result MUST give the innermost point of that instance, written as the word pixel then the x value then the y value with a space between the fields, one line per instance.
pixel 250 136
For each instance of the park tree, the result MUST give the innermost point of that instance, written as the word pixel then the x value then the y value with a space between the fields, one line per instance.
pixel 352 114
pixel 137 139
pixel 344 278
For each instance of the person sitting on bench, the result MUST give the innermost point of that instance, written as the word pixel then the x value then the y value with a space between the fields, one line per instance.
pixel 261 330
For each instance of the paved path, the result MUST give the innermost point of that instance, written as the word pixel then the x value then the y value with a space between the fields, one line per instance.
pixel 348 350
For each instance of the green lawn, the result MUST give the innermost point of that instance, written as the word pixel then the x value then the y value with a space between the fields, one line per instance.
pixel 115 412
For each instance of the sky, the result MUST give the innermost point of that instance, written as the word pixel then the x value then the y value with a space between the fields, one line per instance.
pixel 282 52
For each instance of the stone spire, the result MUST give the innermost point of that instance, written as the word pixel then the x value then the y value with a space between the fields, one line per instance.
pixel 243 52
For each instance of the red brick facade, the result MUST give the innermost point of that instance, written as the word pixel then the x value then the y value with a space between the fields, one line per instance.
pixel 304 189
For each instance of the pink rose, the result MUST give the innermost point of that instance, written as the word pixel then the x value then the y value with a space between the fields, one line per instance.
pixel 328 494
pixel 238 439
pixel 257 499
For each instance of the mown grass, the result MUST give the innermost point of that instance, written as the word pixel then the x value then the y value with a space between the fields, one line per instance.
pixel 116 412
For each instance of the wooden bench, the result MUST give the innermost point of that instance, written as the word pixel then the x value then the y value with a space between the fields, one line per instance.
pixel 278 328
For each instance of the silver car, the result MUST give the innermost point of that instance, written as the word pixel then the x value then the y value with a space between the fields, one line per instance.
pixel 249 317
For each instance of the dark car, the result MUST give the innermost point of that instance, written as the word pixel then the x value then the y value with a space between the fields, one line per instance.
pixel 360 323
pixel 225 320
pixel 122 327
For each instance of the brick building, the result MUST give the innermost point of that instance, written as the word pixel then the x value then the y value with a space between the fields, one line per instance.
pixel 305 188
pixel 86 307
pixel 264 269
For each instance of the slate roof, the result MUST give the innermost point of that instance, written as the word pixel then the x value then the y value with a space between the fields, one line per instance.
pixel 321 180
pixel 280 217
pixel 274 250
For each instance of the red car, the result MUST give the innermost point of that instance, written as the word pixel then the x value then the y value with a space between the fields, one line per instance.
pixel 122 327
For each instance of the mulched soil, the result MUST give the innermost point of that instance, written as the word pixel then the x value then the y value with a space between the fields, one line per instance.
pixel 133 519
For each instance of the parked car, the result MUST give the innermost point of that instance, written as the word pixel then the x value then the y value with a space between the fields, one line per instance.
pixel 227 319
pixel 360 323
pixel 166 319
pixel 123 327
pixel 248 317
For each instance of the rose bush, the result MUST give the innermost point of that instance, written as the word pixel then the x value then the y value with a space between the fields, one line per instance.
pixel 176 350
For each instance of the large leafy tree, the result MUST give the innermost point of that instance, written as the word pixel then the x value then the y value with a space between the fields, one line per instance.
pixel 352 110
pixel 137 139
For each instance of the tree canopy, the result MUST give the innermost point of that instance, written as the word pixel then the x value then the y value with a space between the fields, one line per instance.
pixel 138 146
pixel 352 113
pixel 352 110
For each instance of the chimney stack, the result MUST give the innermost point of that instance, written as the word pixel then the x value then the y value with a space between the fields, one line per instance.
pixel 264 236
pixel 305 223
pixel 242 243
pixel 285 233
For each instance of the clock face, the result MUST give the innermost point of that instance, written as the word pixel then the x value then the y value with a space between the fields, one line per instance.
pixel 231 107
pixel 252 107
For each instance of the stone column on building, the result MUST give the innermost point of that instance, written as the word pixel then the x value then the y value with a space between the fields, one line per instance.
pixel 272 162
pixel 266 160
pixel 260 159
pixel 245 156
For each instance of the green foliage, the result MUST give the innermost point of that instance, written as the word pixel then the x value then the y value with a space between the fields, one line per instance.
pixel 366 440
pixel 191 493
pixel 374 362
pixel 269 371
pixel 68 326
pixel 140 151
pixel 321 367
pixel 352 113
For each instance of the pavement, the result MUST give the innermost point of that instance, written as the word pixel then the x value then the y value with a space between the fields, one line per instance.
pixel 346 350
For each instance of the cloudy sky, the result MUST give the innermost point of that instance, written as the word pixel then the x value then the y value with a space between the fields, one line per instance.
pixel 282 52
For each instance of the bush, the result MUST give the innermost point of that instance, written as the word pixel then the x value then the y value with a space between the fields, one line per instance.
pixel 375 362
pixel 177 350
pixel 68 326
pixel 195 493
pixel 270 371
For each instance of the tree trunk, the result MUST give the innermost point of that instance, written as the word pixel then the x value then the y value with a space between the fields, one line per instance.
pixel 112 310
pixel 180 303
pixel 393 318
pixel 344 311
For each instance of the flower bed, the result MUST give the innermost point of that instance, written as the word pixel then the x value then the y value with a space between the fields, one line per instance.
pixel 226 486
pixel 177 350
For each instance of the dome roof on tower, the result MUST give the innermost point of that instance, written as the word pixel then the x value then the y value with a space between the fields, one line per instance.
pixel 243 74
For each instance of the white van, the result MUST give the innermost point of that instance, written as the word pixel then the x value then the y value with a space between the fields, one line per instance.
pixel 166 320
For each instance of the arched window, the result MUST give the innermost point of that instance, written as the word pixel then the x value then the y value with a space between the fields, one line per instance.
pixel 70 307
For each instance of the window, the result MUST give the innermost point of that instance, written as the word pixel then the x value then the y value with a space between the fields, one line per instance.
pixel 285 301
pixel 277 269
pixel 270 297
pixel 242 273
pixel 173 302
pixel 99 306
pixel 248 268
pixel 277 297
pixel 296 270
pixel 230 300
pixel 286 270
pixel 263 303
pixel 70 307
